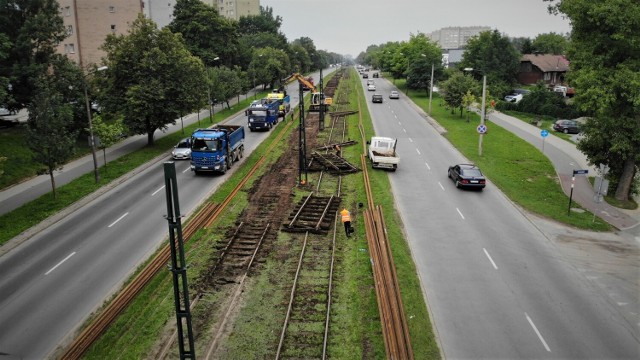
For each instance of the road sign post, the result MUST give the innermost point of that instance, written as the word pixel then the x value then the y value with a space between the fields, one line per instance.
pixel 544 134
pixel 573 180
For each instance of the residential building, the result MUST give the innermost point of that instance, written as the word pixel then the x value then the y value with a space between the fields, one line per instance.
pixel 455 37
pixel 88 22
pixel 542 67
pixel 234 9
pixel 452 57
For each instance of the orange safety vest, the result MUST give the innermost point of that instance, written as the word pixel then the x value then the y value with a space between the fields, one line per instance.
pixel 345 215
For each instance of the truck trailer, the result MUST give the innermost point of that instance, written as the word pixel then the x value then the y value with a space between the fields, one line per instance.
pixel 216 149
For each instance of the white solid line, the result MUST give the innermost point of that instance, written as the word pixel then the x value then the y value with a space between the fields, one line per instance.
pixel 490 259
pixel 537 332
pixel 442 187
pixel 428 167
pixel 462 216
pixel 157 191
pixel 418 151
pixel 60 263
pixel 120 218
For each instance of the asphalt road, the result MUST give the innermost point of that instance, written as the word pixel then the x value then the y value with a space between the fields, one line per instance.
pixel 53 281
pixel 495 285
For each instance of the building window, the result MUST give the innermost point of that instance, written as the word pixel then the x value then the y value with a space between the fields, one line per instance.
pixel 70 30
pixel 113 28
pixel 69 49
pixel 67 11
pixel 112 9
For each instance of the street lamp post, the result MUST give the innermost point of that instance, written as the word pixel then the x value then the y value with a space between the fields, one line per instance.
pixel 431 89
pixel 92 139
pixel 482 111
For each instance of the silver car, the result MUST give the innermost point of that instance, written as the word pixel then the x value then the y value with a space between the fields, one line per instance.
pixel 182 150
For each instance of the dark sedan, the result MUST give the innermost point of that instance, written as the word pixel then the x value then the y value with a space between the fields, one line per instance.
pixel 567 126
pixel 467 175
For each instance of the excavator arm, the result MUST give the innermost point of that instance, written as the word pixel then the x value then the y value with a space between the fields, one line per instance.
pixel 302 80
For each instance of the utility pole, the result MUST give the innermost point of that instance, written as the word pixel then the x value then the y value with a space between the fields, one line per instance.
pixel 321 124
pixel 302 140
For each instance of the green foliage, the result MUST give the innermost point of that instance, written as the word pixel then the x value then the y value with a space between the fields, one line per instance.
pixel 550 43
pixel 108 133
pixel 50 138
pixel 29 35
pixel 300 60
pixel 541 101
pixel 605 70
pixel 269 66
pixel 493 55
pixel 206 33
pixel 225 83
pixel 455 88
pixel 152 78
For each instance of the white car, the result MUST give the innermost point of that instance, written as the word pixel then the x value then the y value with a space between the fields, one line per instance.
pixel 182 150
pixel 394 95
pixel 371 87
pixel 514 98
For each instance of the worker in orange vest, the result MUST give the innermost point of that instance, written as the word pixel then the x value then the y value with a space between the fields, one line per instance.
pixel 346 220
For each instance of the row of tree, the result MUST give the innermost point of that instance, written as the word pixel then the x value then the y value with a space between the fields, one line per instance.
pixel 147 79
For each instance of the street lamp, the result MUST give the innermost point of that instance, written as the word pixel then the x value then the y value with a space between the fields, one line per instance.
pixel 482 111
pixel 92 140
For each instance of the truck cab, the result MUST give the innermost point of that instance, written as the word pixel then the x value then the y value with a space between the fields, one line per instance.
pixel 382 153
pixel 263 115
pixel 215 149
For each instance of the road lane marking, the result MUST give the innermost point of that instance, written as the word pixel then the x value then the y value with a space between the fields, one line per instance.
pixel 157 191
pixel 459 212
pixel 490 259
pixel 442 187
pixel 410 139
pixel 60 263
pixel 403 129
pixel 120 218
pixel 418 151
pixel 187 169
pixel 537 332
pixel 399 123
pixel 428 167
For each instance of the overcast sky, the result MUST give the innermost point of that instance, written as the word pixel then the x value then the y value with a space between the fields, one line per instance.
pixel 349 26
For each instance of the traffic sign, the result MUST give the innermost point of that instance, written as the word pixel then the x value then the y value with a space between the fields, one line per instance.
pixel 580 172
pixel 482 128
pixel 544 133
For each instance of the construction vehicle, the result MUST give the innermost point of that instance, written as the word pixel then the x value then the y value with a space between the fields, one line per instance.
pixel 217 148
pixel 284 102
pixel 263 114
pixel 318 99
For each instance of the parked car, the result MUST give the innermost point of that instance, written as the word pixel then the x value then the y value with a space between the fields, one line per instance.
pixel 467 175
pixel 4 111
pixel 182 150
pixel 514 98
pixel 394 95
pixel 371 87
pixel 376 98
pixel 567 126
pixel 521 91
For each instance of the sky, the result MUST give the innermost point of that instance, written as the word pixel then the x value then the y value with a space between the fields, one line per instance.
pixel 348 27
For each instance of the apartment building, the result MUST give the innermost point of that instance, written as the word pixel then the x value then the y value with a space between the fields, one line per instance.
pixel 161 11
pixel 455 37
pixel 88 22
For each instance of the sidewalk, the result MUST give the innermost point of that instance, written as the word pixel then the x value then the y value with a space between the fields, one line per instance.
pixel 583 192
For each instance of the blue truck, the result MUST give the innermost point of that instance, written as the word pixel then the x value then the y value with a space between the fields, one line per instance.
pixel 263 114
pixel 284 101
pixel 216 149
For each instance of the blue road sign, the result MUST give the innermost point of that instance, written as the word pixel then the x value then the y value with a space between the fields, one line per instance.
pixel 482 129
pixel 580 172
pixel 544 133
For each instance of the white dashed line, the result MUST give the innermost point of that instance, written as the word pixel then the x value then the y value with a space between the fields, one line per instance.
pixel 459 212
pixel 410 140
pixel 537 333
pixel 60 263
pixel 120 218
pixel 428 167
pixel 157 191
pixel 418 151
pixel 490 259
pixel 403 129
pixel 442 187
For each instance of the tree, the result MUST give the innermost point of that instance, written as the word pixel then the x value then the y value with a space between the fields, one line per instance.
pixel 605 71
pixel 467 100
pixel 152 79
pixel 51 137
pixel 310 47
pixel 493 55
pixel 30 32
pixel 108 133
pixel 523 45
pixel 550 43
pixel 206 33
pixel 225 83
pixel 455 89
pixel 269 66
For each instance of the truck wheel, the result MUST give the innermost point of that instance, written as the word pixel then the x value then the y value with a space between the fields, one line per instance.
pixel 241 151
pixel 251 129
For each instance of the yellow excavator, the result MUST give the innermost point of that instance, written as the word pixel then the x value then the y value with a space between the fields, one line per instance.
pixel 317 99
